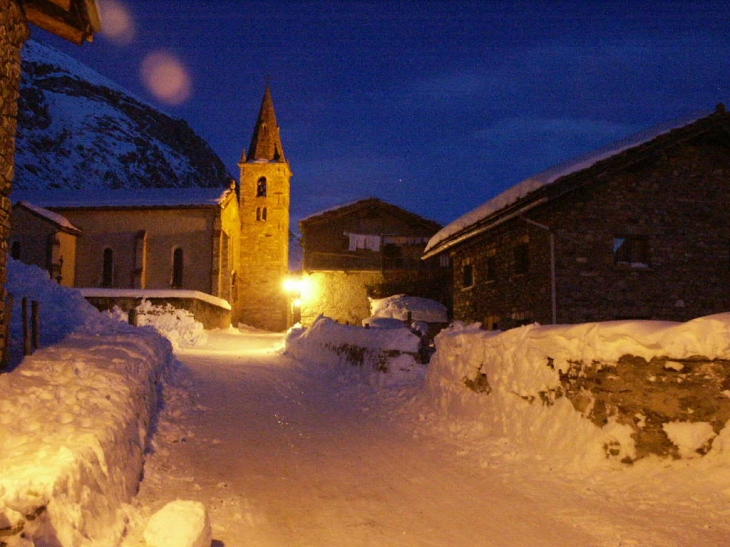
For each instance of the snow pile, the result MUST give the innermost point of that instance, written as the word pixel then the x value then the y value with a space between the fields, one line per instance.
pixel 75 420
pixel 509 384
pixel 373 351
pixel 178 326
pixel 61 310
pixel 179 524
pixel 400 305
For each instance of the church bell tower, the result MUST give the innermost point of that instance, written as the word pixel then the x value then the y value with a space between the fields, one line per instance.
pixel 264 209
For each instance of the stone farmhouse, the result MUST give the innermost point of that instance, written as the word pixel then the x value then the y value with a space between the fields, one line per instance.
pixel 637 230
pixel 230 244
pixel 73 20
pixel 368 248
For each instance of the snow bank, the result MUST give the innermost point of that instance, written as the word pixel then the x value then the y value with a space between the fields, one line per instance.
pixel 179 326
pixel 510 382
pixel 399 306
pixel 62 310
pixel 75 419
pixel 378 351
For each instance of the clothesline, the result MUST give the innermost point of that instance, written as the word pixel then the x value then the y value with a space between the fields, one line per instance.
pixel 374 242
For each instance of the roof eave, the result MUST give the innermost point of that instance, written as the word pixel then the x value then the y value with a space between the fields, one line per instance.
pixel 483 226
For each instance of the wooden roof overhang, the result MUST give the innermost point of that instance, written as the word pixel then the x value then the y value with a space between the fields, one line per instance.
pixel 73 20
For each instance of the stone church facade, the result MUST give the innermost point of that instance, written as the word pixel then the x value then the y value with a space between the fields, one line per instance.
pixel 231 243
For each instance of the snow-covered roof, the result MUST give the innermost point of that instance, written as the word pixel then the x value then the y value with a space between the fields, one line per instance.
pixel 98 292
pixel 59 220
pixel 127 197
pixel 549 176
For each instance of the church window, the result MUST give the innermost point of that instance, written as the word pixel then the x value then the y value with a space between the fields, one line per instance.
pixel 261 188
pixel 107 270
pixel 177 268
pixel 15 250
pixel 261 213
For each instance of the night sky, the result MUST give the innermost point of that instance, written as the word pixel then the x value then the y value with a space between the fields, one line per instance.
pixel 435 106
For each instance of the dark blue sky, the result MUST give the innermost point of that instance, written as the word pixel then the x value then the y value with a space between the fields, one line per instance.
pixel 435 106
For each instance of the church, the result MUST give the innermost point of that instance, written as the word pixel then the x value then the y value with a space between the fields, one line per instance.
pixel 218 251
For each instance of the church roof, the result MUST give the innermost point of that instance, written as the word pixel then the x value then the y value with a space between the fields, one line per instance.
pixel 266 142
pixel 124 198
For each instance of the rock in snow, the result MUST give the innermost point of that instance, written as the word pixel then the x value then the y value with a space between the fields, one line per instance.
pixel 179 524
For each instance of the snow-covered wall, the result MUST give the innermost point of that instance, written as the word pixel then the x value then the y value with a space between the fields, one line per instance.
pixel 75 419
pixel 331 343
pixel 617 389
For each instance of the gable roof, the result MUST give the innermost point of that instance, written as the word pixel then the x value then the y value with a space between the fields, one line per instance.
pixel 328 215
pixel 532 191
pixel 60 221
pixel 127 198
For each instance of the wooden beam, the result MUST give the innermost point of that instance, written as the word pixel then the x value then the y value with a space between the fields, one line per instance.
pixel 54 25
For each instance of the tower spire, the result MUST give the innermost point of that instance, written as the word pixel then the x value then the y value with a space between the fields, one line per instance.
pixel 266 142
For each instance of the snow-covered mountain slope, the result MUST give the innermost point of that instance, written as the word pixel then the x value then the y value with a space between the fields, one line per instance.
pixel 77 129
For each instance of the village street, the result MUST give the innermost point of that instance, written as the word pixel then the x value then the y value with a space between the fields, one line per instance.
pixel 282 456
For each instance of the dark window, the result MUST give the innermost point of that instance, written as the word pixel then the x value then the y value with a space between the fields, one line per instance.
pixel 468 275
pixel 632 250
pixel 392 256
pixel 522 259
pixel 15 250
pixel 107 270
pixel 491 268
pixel 177 268
pixel 260 213
pixel 261 188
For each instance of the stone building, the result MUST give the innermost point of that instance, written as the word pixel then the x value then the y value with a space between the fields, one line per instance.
pixel 74 20
pixel 231 244
pixel 636 230
pixel 369 248
pixel 48 240
pixel 264 208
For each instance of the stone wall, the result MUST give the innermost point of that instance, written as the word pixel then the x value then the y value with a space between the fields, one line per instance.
pixel 618 390
pixel 13 34
pixel 342 296
pixel 648 395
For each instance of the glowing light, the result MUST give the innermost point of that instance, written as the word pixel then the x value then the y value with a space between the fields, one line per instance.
pixel 292 284
pixel 300 289
pixel 166 77
pixel 117 24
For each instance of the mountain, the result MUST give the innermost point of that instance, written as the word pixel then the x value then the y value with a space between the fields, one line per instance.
pixel 77 129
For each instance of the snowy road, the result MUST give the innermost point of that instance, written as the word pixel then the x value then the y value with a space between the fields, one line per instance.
pixel 281 458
